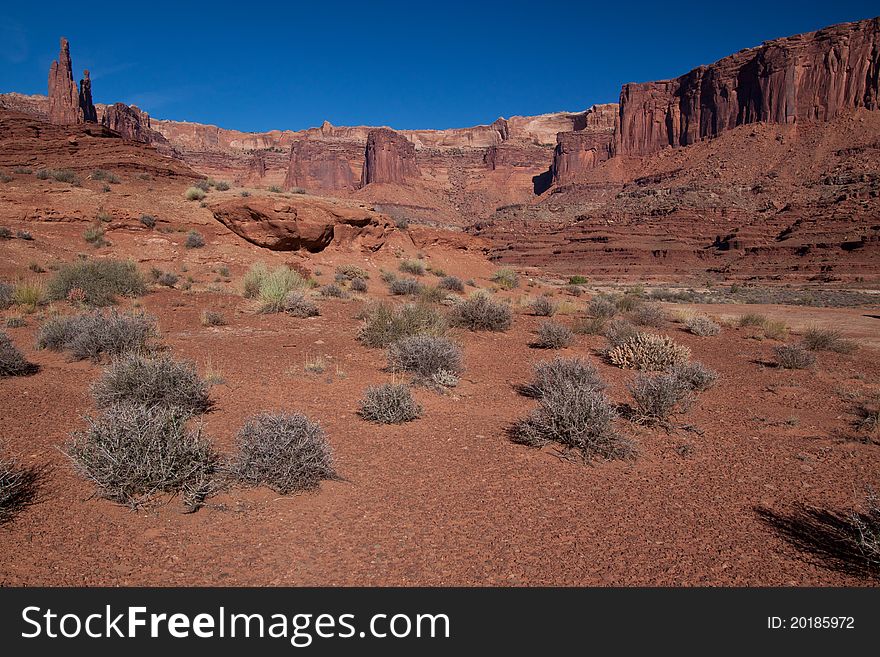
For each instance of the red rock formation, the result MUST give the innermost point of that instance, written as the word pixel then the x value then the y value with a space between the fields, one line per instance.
pixel 302 223
pixel 85 99
pixel 587 146
pixel 816 75
pixel 389 158
pixel 133 123
pixel 64 101
pixel 319 165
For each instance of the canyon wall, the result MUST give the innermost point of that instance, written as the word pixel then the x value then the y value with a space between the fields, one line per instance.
pixel 587 146
pixel 389 158
pixel 814 76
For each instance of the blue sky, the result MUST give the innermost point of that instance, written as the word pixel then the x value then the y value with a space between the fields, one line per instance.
pixel 257 65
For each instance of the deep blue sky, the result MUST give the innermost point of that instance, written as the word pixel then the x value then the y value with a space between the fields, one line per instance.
pixel 258 66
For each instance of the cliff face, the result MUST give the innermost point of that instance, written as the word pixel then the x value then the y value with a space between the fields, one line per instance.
pixel 808 76
pixel 389 158
pixel 132 123
pixel 320 165
pixel 585 147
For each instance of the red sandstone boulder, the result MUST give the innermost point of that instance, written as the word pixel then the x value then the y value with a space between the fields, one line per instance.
pixel 389 158
pixel 302 223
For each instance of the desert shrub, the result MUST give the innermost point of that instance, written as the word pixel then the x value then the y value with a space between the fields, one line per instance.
pixel 94 235
pixel 100 281
pixel 203 185
pixel 93 334
pixel 868 416
pixel 148 221
pixel 152 381
pixel 28 294
pixel 358 285
pixel 6 299
pixel 42 174
pixel 432 294
pixel 133 453
pixel 793 357
pixel 245 193
pixel 414 267
pixel 351 272
pixel 194 194
pixel 101 174
pixel 819 339
pixel 424 355
pixel 15 321
pixel 297 304
pixel 167 278
pixel 253 279
pixel 774 330
pixel 451 283
pixel 619 331
pixel 629 301
pixel 589 325
pixel 389 403
pixel 22 170
pixel 481 313
pixel 275 189
pixel 194 240
pixel 702 326
pixel 385 324
pixel 5 178
pixel 444 379
pixel 552 335
pixel 648 314
pixel 657 396
pixel 578 418
pixel 333 291
pixel 18 488
pixel 61 175
pixel 646 351
pixel 404 287
pixel 694 375
pixel 5 233
pixel 562 372
pixel 286 452
pixel 273 287
pixel 12 361
pixel 573 290
pixel 506 278
pixel 601 307
pixel 221 185
pixel 212 318
pixel 752 320
pixel 24 235
pixel 543 307
pixel 578 280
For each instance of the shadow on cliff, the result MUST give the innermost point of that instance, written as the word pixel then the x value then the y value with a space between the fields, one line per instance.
pixel 541 183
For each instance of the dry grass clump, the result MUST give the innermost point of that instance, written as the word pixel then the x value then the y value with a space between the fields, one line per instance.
pixel 481 313
pixel 389 403
pixel 648 314
pixel 212 318
pixel 100 281
pixel 271 287
pixel 298 304
pixel 92 335
pixel 506 278
pixel 404 287
pixel 574 414
pixel 702 326
pixel 451 283
pixel 12 361
pixel 793 357
pixel 351 272
pixel 385 323
pixel 18 488
pixel 29 294
pixel 424 356
pixel 152 381
pixel 819 339
pixel 543 306
pixel 194 194
pixel 752 320
pixel 561 372
pixel 645 351
pixel 414 267
pixel 133 453
pixel 286 452
pixel 553 335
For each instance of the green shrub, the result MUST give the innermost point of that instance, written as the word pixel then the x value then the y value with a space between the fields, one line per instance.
pixel 286 452
pixel 100 281
pixel 133 453
pixel 194 194
pixel 480 313
pixel 578 280
pixel 29 294
pixel 752 319
pixel 272 286
pixel 92 335
pixel 203 185
pixel 506 278
pixel 94 235
pixel 389 403
pixel 101 174
pixel 152 381
pixel 384 323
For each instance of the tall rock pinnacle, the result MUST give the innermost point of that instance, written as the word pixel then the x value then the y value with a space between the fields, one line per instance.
pixel 67 105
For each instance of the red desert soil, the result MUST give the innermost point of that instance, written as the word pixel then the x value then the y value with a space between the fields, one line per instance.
pixel 447 499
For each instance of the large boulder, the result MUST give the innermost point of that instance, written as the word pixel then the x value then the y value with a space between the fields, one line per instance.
pixel 303 223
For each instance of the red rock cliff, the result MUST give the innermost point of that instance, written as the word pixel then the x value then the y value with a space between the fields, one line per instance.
pixel 133 123
pixel 67 104
pixel 319 165
pixel 816 75
pixel 585 147
pixel 389 158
